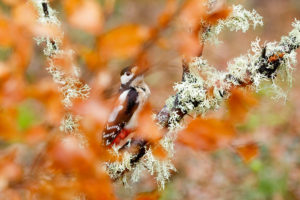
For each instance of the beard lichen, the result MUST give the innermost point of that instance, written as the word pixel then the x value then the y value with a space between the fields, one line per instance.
pixel 239 20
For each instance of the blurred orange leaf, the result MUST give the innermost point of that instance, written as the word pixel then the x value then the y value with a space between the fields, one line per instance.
pixel 247 151
pixel 85 15
pixel 123 41
pixel 207 134
pixel 159 152
pixel 12 91
pixel 187 39
pixel 10 171
pixel 46 91
pixel 10 194
pixel 239 103
pixel 148 196
pixel 148 129
pixel 8 125
pixel 108 7
pixel 24 14
pixel 15 37
pixel 98 187
pixel 12 2
pixel 69 154
pixel 192 13
pixel 188 44
pixel 219 11
pixel 167 14
pixel 35 134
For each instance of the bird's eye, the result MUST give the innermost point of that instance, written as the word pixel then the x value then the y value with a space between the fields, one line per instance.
pixel 127 73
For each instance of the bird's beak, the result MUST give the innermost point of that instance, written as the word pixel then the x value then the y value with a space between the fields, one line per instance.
pixel 134 69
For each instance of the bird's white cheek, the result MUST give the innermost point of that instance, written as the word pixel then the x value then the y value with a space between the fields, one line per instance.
pixel 114 114
pixel 125 78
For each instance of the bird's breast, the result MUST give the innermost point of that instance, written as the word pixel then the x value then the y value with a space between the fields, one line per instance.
pixel 143 94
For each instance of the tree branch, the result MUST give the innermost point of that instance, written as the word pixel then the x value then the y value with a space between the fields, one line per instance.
pixel 268 66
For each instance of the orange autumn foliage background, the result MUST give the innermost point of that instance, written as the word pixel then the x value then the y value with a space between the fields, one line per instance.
pixel 246 150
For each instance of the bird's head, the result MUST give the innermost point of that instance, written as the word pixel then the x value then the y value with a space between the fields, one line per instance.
pixel 130 75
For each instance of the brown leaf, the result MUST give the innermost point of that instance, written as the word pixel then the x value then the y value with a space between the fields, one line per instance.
pixel 24 14
pixel 122 42
pixel 19 40
pixel 247 151
pixel 159 152
pixel 46 91
pixel 98 187
pixel 10 194
pixel 207 134
pixel 68 154
pixel 8 125
pixel 167 14
pixel 239 104
pixel 10 171
pixel 12 91
pixel 85 15
pixel 187 39
pixel 192 13
pixel 147 127
pixel 148 196
pixel 12 2
pixel 35 134
pixel 108 7
pixel 219 11
pixel 188 44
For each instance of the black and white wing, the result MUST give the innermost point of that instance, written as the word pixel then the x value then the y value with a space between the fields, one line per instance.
pixel 120 116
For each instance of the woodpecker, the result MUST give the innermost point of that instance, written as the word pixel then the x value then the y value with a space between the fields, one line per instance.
pixel 122 121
